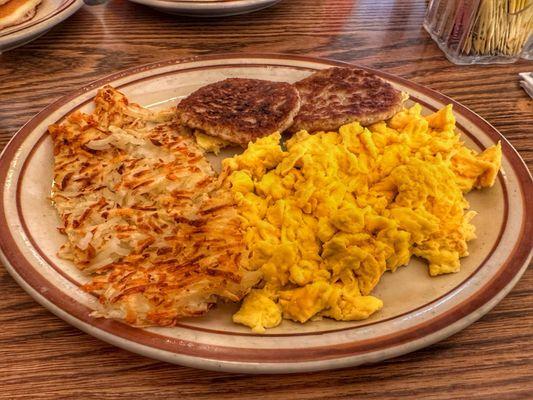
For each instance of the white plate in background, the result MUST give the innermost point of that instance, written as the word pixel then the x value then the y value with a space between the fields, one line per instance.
pixel 49 14
pixel 207 8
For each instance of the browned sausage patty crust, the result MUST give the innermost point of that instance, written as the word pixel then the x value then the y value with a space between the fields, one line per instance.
pixel 240 110
pixel 336 96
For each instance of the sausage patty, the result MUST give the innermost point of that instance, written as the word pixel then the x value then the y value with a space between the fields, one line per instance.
pixel 336 96
pixel 240 110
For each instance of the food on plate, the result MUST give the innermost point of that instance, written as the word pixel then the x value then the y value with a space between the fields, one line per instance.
pixel 337 96
pixel 210 144
pixel 15 12
pixel 240 110
pixel 297 229
pixel 325 217
pixel 144 214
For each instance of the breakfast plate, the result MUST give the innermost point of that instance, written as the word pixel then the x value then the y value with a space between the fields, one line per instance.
pixel 207 8
pixel 419 311
pixel 49 13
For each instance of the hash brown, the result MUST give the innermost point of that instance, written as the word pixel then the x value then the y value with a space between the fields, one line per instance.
pixel 15 12
pixel 144 214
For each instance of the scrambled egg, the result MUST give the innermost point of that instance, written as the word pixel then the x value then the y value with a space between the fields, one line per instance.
pixel 327 216
pixel 209 144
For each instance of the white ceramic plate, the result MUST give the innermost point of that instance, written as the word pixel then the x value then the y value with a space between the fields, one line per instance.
pixel 207 8
pixel 418 310
pixel 49 14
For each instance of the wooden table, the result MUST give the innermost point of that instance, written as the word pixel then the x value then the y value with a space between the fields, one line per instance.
pixel 43 357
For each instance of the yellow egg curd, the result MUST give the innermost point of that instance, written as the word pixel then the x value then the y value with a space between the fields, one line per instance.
pixel 327 214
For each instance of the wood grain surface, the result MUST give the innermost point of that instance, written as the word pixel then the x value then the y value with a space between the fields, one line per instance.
pixel 42 357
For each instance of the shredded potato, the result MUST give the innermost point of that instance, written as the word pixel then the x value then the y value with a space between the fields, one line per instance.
pixel 144 214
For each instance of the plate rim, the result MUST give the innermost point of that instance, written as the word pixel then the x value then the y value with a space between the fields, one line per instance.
pixel 519 251
pixel 218 8
pixel 206 5
pixel 218 2
pixel 463 283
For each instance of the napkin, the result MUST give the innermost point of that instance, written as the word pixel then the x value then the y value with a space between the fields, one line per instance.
pixel 527 82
